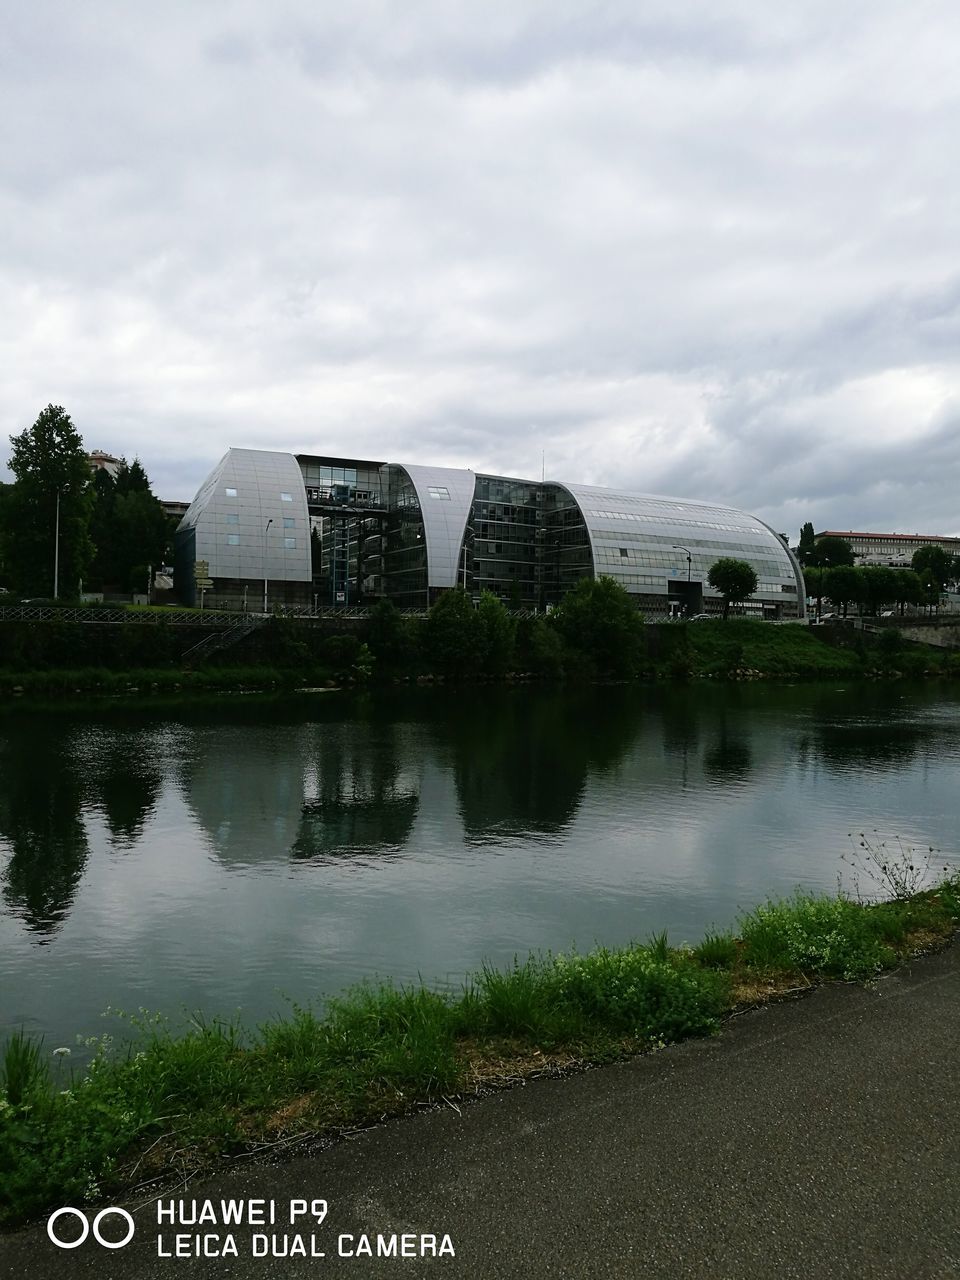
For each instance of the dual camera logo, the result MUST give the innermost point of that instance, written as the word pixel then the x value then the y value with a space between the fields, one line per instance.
pixel 86 1228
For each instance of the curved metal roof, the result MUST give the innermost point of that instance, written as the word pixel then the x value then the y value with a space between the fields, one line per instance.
pixel 638 536
pixel 445 495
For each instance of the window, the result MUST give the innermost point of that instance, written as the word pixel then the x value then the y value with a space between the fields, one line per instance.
pixel 290 544
pixel 286 497
pixel 233 517
pixel 289 522
pixel 624 553
pixel 438 491
pixel 231 493
pixel 233 539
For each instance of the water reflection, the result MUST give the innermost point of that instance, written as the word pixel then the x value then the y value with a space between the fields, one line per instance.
pixel 520 761
pixel 123 778
pixel 40 818
pixel 365 792
pixel 245 786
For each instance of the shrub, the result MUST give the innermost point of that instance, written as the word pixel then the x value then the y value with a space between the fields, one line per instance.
pixel 815 934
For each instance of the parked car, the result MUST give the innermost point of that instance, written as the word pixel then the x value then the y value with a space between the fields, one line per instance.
pixel 702 617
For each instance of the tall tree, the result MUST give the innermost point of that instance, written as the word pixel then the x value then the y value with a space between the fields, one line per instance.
pixel 808 541
pixel 129 527
pixel 53 485
pixel 600 624
pixel 831 553
pixel 935 562
pixel 844 585
pixel 734 579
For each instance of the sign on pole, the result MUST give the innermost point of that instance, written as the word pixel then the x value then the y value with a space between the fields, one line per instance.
pixel 201 569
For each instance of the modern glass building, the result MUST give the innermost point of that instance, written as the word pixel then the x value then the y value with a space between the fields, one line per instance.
pixel 316 531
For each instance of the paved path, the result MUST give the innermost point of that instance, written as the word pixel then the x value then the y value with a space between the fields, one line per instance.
pixel 818 1138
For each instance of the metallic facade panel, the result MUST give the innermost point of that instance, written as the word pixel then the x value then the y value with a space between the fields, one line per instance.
pixel 444 519
pixel 259 477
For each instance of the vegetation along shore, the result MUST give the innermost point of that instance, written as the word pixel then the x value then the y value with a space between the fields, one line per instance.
pixel 596 634
pixel 169 1102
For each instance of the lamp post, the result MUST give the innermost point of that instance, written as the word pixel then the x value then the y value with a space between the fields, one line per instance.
pixel 678 546
pixel 56 544
pixel 468 529
pixel 265 575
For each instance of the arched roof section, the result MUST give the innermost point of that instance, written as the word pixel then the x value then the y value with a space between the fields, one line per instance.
pixel 633 537
pixel 246 490
pixel 446 496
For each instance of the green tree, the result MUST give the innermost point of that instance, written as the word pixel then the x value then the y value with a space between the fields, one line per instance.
pixel 813 580
pixel 388 636
pixel 129 527
pixel 844 585
pixel 734 579
pixel 909 589
pixel 807 543
pixel 52 475
pixel 496 635
pixel 451 635
pixel 935 562
pixel 831 553
pixel 601 626
pixel 879 586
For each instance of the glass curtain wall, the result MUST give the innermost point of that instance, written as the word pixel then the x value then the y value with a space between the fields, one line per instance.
pixel 501 540
pixel 404 547
pixel 566 555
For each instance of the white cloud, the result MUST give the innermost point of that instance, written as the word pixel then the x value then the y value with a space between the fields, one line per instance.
pixel 708 249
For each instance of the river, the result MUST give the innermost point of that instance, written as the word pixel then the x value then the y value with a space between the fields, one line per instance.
pixel 238 854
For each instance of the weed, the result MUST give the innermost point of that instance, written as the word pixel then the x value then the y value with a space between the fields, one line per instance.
pixel 25 1072
pixel 899 870
pixel 716 951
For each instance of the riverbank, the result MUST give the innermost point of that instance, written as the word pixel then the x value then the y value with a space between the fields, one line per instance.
pixel 739 649
pixel 173 1104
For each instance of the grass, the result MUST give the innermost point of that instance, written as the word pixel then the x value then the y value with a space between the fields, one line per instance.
pixel 174 1103
pixel 746 646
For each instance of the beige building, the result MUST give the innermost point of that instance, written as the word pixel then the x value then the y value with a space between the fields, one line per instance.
pixel 895 549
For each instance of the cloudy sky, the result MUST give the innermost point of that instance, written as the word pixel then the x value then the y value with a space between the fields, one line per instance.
pixel 701 248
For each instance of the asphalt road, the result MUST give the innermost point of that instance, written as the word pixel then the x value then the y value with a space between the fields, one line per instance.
pixel 816 1138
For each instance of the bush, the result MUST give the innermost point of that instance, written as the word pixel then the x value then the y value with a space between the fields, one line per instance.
pixel 824 935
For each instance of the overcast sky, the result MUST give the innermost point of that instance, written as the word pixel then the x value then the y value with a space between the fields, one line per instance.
pixel 705 249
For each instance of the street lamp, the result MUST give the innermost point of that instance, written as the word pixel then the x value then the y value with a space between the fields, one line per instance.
pixel 265 528
pixel 678 546
pixel 468 529
pixel 56 544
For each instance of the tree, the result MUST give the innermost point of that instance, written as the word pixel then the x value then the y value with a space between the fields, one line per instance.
pixel 843 584
pixel 934 562
pixel 831 553
pixel 602 627
pixel 879 586
pixel 807 543
pixel 51 472
pixel 813 580
pixel 388 636
pixel 909 589
pixel 734 579
pixel 496 635
pixel 129 527
pixel 451 635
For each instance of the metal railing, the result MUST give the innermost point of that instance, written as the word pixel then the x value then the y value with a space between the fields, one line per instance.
pixel 143 617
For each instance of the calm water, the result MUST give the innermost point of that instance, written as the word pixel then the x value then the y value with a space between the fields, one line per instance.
pixel 229 856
